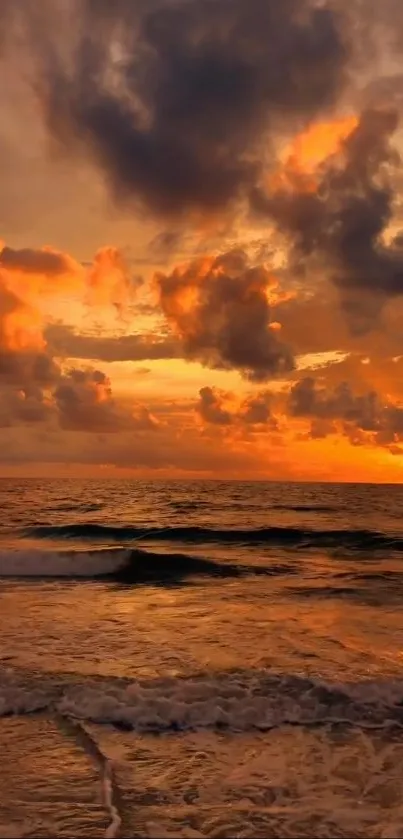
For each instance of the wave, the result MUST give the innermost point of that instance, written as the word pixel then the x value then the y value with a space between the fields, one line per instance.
pixel 306 508
pixel 124 566
pixel 238 701
pixel 81 508
pixel 355 540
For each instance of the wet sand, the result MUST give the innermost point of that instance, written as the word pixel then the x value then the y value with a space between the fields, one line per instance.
pixel 288 782
pixel 49 787
pixel 285 783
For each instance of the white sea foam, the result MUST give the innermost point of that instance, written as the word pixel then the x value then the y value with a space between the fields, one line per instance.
pixel 47 563
pixel 235 701
pixel 229 703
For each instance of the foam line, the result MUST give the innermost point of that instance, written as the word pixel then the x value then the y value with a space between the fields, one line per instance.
pixel 109 790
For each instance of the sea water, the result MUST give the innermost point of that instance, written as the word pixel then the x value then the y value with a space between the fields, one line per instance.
pixel 224 658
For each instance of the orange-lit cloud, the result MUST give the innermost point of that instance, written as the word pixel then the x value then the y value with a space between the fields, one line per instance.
pixel 106 282
pixel 109 281
pixel 341 224
pixel 20 324
pixel 219 307
pixel 304 155
pixel 33 385
pixel 319 142
pixel 205 301
pixel 33 271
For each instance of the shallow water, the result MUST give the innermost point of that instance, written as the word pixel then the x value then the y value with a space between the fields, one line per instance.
pixel 239 670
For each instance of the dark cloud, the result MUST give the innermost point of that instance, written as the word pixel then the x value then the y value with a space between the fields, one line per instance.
pixel 27 405
pixel 343 221
pixel 63 341
pixel 219 308
pixel 363 417
pixel 21 368
pixel 173 98
pixel 253 413
pixel 210 407
pixel 164 244
pixel 85 402
pixel 308 399
pixel 256 410
pixel 381 91
pixel 360 207
pixel 35 261
pixel 172 450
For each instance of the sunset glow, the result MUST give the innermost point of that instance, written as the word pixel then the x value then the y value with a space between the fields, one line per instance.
pixel 309 150
pixel 319 142
pixel 181 292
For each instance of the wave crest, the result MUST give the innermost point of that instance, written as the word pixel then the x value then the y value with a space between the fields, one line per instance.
pixel 56 564
pixel 123 565
pixel 355 540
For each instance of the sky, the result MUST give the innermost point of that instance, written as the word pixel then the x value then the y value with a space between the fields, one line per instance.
pixel 201 239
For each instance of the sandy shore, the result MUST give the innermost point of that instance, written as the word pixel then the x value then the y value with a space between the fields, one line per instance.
pixel 288 782
pixel 48 785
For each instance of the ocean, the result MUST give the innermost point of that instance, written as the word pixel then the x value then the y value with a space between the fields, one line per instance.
pixel 201 659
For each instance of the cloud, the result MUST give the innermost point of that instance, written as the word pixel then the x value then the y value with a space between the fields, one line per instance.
pixel 110 282
pixel 312 322
pixel 343 219
pixel 24 275
pixel 106 281
pixel 188 107
pixel 30 272
pixel 172 451
pixel 253 412
pixel 220 309
pixel 363 418
pixel 173 100
pixel 210 407
pixel 256 410
pixel 25 406
pixel 24 363
pixel 85 403
pixel 20 327
pixel 65 342
pixel 42 261
pixel 33 386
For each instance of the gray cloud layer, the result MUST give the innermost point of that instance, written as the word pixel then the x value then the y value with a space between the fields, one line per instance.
pixel 173 98
pixel 64 341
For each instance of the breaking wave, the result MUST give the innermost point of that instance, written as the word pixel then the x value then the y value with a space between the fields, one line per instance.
pixel 359 540
pixel 56 564
pixel 122 565
pixel 238 701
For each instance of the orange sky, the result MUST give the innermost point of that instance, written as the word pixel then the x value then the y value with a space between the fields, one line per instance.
pixel 142 343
